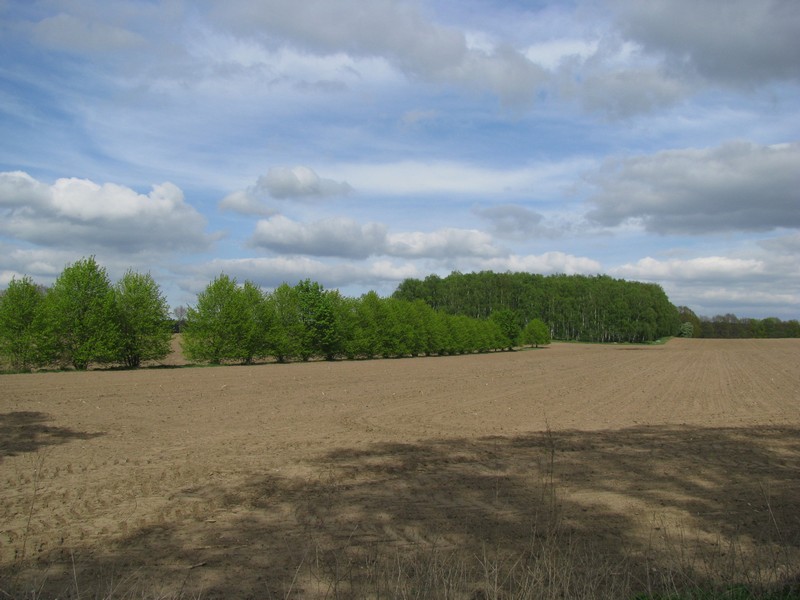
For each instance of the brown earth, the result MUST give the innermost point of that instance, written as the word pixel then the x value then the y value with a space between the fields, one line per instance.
pixel 273 480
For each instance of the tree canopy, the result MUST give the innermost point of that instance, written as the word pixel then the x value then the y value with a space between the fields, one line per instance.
pixel 19 323
pixel 82 319
pixel 574 307
pixel 143 317
pixel 79 318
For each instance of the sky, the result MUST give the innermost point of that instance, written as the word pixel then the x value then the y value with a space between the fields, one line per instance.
pixel 361 142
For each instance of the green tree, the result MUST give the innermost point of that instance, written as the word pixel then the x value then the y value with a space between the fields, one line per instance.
pixel 143 318
pixel 259 319
pixel 577 307
pixel 286 330
pixel 687 315
pixel 509 325
pixel 19 331
pixel 79 318
pixel 536 333
pixel 318 316
pixel 216 327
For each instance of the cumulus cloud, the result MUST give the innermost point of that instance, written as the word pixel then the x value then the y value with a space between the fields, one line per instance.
pixel 738 186
pixel 547 263
pixel 300 182
pixel 443 243
pixel 514 222
pixel 282 183
pixel 332 237
pixel 394 30
pixel 629 91
pixel 707 268
pixel 344 237
pixel 81 214
pixel 43 264
pixel 406 177
pixel 246 202
pixel 737 42
pixel 765 285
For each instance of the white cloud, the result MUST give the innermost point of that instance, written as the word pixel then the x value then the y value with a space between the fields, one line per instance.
pixel 738 186
pixel 391 29
pixel 550 54
pixel 344 237
pixel 300 182
pixel 737 42
pixel 707 268
pixel 515 222
pixel 547 263
pixel 81 214
pixel 624 92
pixel 282 183
pixel 409 177
pixel 442 243
pixel 331 237
pixel 245 202
pixel 41 264
pixel 767 284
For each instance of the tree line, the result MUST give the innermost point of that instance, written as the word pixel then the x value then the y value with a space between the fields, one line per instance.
pixel 84 319
pixel 574 307
pixel 729 326
pixel 242 323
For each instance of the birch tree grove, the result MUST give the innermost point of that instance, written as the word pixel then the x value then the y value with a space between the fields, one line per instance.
pixel 574 307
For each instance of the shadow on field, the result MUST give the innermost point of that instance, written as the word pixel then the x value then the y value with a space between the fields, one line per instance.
pixel 26 431
pixel 551 514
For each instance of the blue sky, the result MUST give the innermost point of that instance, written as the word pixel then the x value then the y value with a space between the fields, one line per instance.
pixel 360 142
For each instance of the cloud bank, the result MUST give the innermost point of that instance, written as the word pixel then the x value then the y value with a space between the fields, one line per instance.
pixel 739 186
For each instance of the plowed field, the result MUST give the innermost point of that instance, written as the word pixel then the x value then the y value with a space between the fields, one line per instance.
pixel 275 480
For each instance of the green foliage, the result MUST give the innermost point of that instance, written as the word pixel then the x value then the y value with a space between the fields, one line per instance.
pixel 143 318
pixel 730 326
pixel 19 331
pixel 258 321
pixel 576 307
pixel 216 327
pixel 79 319
pixel 687 315
pixel 508 323
pixel 319 333
pixel 83 320
pixel 536 333
pixel 686 330
pixel 285 334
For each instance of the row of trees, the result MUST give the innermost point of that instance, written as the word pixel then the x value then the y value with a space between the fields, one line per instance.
pixel 729 326
pixel 575 307
pixel 84 319
pixel 233 322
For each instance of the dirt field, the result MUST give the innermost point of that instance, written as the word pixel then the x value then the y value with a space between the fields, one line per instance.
pixel 278 480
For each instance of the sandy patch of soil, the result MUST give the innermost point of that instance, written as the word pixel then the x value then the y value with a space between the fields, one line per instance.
pixel 225 481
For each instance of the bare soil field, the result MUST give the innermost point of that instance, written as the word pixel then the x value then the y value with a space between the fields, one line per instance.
pixel 305 480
